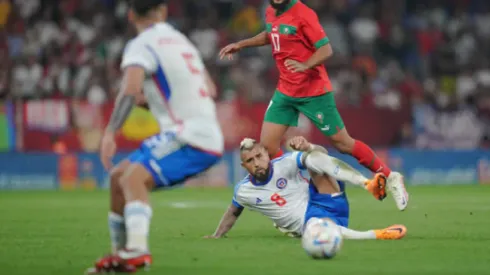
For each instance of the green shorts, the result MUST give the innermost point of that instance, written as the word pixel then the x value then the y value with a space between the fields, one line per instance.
pixel 321 110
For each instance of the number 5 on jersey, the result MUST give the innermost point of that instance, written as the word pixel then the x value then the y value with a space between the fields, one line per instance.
pixel 278 199
pixel 189 60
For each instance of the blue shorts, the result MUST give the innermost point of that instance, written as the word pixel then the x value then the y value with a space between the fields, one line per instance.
pixel 335 207
pixel 170 161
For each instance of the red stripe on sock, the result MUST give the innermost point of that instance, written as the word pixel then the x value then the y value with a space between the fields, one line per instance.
pixel 366 156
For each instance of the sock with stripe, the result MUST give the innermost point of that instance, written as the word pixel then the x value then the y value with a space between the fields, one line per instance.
pixel 137 215
pixel 117 231
pixel 366 156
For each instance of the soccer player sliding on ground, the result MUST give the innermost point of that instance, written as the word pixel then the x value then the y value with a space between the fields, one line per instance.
pixel 278 190
pixel 300 48
pixel 176 88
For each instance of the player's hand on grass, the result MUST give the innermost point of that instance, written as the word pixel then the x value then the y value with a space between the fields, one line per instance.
pixel 299 143
pixel 229 50
pixel 107 149
pixel 295 66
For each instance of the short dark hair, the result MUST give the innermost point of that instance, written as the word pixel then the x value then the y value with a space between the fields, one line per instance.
pixel 142 7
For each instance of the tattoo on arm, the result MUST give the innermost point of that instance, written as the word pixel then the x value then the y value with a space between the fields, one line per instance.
pixel 237 212
pixel 123 108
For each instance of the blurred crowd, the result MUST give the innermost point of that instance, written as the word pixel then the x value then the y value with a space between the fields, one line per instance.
pixel 431 56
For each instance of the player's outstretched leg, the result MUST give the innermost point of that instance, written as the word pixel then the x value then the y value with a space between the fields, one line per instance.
pixel 328 200
pixel 117 228
pixel 322 111
pixel 366 156
pixel 394 232
pixel 343 172
pixel 133 184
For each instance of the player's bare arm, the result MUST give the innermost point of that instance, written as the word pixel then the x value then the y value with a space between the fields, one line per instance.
pixel 260 39
pixel 227 221
pixel 126 99
pixel 319 57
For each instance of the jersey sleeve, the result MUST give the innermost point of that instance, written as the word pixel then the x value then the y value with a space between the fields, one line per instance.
pixel 138 54
pixel 297 155
pixel 312 29
pixel 234 201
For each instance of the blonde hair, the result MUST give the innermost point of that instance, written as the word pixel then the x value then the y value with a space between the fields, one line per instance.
pixel 247 144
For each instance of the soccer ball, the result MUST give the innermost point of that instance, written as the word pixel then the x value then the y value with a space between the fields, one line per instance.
pixel 321 239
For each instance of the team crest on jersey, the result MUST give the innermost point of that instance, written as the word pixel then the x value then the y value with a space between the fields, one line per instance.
pixel 319 115
pixel 281 183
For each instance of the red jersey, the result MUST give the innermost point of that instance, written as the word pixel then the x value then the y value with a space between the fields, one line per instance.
pixel 296 34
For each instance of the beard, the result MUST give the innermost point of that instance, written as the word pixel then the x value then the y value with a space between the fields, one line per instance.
pixel 280 7
pixel 262 177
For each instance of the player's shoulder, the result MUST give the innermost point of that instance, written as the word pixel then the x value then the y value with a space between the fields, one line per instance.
pixel 242 184
pixel 269 13
pixel 137 44
pixel 269 10
pixel 130 45
pixel 304 12
pixel 155 33
pixel 289 159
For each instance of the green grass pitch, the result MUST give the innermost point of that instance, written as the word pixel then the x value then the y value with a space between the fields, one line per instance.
pixel 64 232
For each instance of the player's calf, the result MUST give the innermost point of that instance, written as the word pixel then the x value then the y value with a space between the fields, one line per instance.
pixel 137 211
pixel 117 228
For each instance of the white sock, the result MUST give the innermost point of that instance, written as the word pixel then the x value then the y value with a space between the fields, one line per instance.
pixel 137 216
pixel 117 231
pixel 350 234
pixel 323 163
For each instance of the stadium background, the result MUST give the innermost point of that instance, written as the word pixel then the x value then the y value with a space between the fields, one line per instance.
pixel 411 78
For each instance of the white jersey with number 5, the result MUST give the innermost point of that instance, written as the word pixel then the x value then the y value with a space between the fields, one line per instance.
pixel 175 88
pixel 283 198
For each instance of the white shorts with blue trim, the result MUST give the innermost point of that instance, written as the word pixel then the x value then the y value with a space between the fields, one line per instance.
pixel 171 162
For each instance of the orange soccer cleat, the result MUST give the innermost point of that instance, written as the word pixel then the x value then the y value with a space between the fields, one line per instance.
pixel 394 232
pixel 377 186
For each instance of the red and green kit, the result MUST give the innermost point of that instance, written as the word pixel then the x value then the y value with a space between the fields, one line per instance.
pixel 296 34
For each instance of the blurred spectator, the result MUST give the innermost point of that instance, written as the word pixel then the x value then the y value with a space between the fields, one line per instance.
pixel 27 75
pixel 205 38
pixel 5 9
pixel 429 58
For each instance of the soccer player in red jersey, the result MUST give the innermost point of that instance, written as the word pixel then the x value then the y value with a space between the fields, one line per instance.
pixel 300 48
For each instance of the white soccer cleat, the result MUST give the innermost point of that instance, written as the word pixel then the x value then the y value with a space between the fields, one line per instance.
pixel 396 186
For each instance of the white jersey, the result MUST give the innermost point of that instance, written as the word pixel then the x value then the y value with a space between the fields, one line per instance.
pixel 175 88
pixel 283 198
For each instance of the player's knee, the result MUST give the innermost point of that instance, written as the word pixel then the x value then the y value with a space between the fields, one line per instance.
pixel 124 181
pixel 115 176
